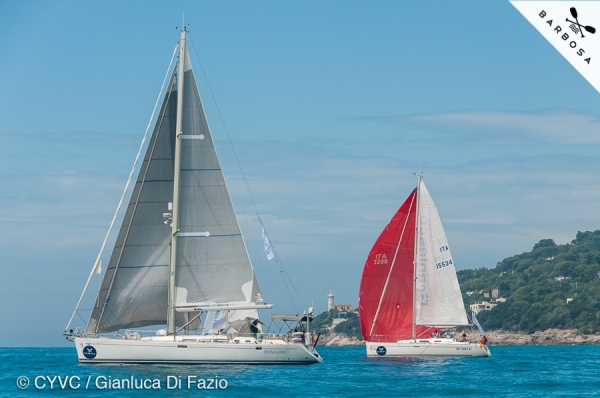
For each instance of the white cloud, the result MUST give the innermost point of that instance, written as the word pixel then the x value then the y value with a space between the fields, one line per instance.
pixel 558 126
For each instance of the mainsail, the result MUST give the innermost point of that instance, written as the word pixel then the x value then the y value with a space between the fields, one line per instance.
pixel 438 299
pixel 213 265
pixel 407 283
pixel 214 268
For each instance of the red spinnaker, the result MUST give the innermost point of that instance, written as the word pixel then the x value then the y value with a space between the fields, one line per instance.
pixel 393 321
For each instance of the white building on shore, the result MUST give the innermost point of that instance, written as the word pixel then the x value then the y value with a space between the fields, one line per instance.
pixel 483 306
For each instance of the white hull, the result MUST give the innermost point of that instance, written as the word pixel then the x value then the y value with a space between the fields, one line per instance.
pixel 427 348
pixel 188 350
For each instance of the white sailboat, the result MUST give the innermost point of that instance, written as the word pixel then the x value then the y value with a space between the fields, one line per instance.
pixel 161 275
pixel 409 289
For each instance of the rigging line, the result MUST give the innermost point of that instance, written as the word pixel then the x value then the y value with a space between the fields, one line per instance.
pixel 247 187
pixel 290 281
pixel 79 315
pixel 287 289
pixel 243 176
pixel 258 255
pixel 112 223
pixel 282 272
pixel 117 322
pixel 425 331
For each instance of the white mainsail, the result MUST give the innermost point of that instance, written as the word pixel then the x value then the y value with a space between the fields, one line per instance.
pixel 438 298
pixel 213 265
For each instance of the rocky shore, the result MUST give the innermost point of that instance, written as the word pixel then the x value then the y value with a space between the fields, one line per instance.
pixel 339 340
pixel 546 337
pixel 495 337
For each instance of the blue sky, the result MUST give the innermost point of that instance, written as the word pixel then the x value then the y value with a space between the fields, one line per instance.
pixel 331 107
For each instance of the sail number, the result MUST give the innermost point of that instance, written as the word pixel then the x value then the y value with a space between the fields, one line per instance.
pixel 443 264
pixel 380 259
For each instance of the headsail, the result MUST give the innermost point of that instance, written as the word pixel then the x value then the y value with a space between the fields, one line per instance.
pixel 212 261
pixel 134 289
pixel 385 297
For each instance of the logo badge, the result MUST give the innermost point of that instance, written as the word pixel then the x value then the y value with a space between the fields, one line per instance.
pixel 89 352
pixel 570 26
pixel 381 350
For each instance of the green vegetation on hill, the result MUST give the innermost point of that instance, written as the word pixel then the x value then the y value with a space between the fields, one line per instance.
pixel 323 321
pixel 535 300
pixel 350 328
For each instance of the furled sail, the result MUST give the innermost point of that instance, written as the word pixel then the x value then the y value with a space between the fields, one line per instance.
pixel 438 297
pixel 212 260
pixel 385 299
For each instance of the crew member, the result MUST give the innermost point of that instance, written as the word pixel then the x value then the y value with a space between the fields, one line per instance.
pixel 483 340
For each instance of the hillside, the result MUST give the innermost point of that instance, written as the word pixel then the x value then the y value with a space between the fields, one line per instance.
pixel 537 284
pixel 350 327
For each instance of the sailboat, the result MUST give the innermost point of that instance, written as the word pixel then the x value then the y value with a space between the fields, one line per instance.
pixel 409 290
pixel 180 254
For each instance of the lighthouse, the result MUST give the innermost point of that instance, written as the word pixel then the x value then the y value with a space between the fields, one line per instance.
pixel 330 301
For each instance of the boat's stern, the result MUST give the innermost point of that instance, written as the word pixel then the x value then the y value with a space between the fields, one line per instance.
pixel 486 350
pixel 313 352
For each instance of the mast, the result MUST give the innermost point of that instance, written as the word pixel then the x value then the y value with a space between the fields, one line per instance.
pixel 414 306
pixel 176 167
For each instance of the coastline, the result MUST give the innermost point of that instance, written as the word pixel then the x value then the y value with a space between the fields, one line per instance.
pixel 546 337
pixel 495 338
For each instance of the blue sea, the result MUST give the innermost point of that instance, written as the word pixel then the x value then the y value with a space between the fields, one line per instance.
pixel 511 371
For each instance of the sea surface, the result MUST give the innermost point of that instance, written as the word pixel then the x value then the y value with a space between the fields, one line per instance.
pixel 346 372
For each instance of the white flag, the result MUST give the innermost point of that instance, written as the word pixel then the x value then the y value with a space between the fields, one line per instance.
pixel 476 323
pixel 98 266
pixel 571 27
pixel 268 249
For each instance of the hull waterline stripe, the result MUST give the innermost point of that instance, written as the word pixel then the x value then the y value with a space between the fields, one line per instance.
pixel 193 361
